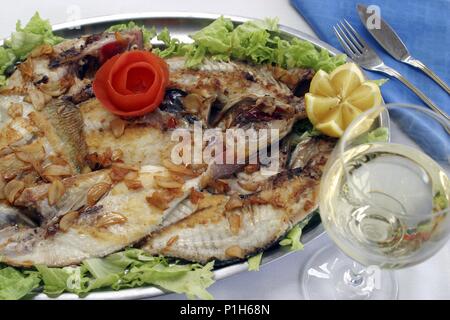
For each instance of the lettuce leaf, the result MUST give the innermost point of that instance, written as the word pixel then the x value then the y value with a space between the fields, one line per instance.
pixel 292 239
pixel 15 285
pixel 35 33
pixel 128 269
pixel 173 46
pixel 254 262
pixel 254 41
pixel 216 37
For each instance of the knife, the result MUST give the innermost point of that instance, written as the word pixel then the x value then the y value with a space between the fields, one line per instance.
pixel 391 42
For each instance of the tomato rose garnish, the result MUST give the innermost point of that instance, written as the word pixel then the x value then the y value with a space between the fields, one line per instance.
pixel 132 83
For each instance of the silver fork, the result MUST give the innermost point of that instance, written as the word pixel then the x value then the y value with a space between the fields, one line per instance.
pixel 359 51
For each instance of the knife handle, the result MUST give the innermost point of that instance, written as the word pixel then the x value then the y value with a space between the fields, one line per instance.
pixel 420 65
pixel 394 73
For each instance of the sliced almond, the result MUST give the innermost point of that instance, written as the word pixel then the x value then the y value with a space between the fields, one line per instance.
pixel 126 166
pixel 26 69
pixel 219 186
pixel 180 169
pixel 56 171
pixel 37 98
pixel 30 153
pixel 15 110
pixel 54 89
pixel 96 192
pixel 118 174
pixel 196 196
pixel 55 192
pixel 12 174
pixel 58 160
pixel 117 127
pixel 249 185
pixel 235 252
pixel 13 189
pixel 133 184
pixel 234 202
pixel 132 175
pixel 235 223
pixel 167 182
pixel 159 199
pixel 68 220
pixel 110 219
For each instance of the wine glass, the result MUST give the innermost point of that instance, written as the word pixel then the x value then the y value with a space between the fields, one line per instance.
pixel 384 201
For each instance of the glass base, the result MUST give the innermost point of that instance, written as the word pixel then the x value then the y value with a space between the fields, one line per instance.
pixel 331 275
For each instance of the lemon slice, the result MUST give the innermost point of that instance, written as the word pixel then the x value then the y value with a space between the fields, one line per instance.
pixel 336 99
pixel 332 124
pixel 317 107
pixel 346 78
pixel 321 85
pixel 366 96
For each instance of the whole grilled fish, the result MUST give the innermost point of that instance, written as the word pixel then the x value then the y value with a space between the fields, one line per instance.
pixel 120 216
pixel 227 227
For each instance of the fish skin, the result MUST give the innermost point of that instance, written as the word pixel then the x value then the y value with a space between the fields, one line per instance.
pixel 58 128
pixel 290 196
pixel 10 216
pixel 67 121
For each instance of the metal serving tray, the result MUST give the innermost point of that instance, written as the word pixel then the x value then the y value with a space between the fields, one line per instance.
pixel 182 24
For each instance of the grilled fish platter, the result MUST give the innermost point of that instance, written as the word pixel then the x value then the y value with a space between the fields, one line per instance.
pixel 91 161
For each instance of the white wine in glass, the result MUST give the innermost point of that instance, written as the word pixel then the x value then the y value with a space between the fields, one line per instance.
pixel 384 201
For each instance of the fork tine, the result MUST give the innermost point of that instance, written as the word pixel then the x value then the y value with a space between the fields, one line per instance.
pixel 348 41
pixel 351 36
pixel 356 34
pixel 343 43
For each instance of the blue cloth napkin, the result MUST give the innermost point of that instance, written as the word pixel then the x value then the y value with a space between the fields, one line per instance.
pixel 424 26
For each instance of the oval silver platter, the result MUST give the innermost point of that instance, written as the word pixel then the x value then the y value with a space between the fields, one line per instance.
pixel 181 25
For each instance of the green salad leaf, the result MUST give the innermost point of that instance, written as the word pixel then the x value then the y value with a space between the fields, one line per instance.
pixel 254 41
pixel 15 284
pixel 172 45
pixel 35 33
pixel 254 262
pixel 126 269
pixel 292 239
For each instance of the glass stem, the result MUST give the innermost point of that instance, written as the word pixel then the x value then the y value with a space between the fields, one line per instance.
pixel 353 278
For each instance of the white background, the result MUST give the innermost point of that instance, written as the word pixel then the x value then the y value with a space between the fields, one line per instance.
pixel 279 280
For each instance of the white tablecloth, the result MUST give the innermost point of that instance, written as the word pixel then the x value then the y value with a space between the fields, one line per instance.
pixel 279 280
